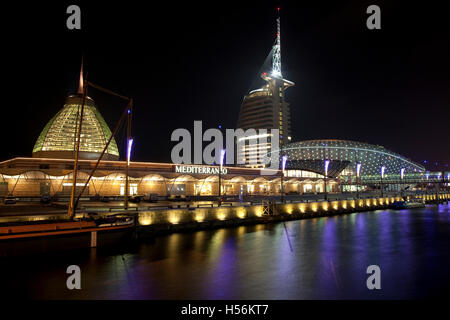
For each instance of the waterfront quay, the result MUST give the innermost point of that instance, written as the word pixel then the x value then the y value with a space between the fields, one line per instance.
pixel 152 219
pixel 184 217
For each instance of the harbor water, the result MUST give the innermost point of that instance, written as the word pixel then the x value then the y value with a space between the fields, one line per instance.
pixel 318 258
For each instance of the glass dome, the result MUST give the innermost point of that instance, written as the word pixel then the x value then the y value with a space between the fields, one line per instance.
pixel 58 138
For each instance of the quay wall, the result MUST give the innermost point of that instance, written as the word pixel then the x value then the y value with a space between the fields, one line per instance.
pixel 189 218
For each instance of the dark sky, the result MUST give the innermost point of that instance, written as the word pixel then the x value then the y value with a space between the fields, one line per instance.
pixel 195 61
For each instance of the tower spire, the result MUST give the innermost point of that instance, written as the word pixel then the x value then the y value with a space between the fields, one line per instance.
pixel 81 83
pixel 276 56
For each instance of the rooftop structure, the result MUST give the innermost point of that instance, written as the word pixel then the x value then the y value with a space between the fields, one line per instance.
pixel 58 138
pixel 344 156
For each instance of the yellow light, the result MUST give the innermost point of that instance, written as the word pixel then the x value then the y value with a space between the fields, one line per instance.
pixel 145 221
pixel 221 215
pixel 200 216
pixel 259 211
pixel 240 213
pixel 289 209
pixel 314 207
pixel 336 205
pixel 174 218
pixel 302 207
pixel 325 206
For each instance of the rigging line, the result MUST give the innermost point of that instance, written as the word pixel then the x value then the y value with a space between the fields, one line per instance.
pixel 121 137
pixel 14 188
pixel 96 86
pixel 129 105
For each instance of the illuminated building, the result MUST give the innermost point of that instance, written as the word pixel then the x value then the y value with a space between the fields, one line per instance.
pixel 266 108
pixel 50 170
pixel 345 155
pixel 58 138
pixel 33 177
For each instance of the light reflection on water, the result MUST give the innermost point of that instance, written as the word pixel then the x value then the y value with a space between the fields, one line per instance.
pixel 328 260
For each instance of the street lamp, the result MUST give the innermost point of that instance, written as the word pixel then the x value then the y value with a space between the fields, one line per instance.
pixel 283 166
pixel 129 145
pixel 358 174
pixel 326 164
pixel 383 168
pixel 222 155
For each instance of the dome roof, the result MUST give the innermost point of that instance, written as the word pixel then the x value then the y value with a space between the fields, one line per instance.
pixel 57 140
pixel 312 153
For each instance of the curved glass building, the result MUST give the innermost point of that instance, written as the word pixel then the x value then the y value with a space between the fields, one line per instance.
pixel 344 155
pixel 57 140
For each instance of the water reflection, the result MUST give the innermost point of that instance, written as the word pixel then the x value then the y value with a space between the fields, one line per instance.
pixel 321 258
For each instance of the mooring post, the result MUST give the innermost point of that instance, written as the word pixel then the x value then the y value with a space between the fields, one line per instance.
pixel 93 239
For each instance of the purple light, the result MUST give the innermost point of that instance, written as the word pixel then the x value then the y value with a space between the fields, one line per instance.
pixel 402 173
pixel 383 168
pixel 129 111
pixel 427 175
pixel 358 169
pixel 327 163
pixel 283 162
pixel 222 155
pixel 130 143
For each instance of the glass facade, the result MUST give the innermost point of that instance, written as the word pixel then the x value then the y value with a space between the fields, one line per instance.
pixel 348 153
pixel 59 135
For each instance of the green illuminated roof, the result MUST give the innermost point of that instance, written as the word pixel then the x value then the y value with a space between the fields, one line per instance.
pixel 57 139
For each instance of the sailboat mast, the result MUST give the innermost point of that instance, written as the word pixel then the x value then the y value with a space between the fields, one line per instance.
pixel 83 89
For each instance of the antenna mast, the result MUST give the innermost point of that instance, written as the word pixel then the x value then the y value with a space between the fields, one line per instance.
pixel 276 57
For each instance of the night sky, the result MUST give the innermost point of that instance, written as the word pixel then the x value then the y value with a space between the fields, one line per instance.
pixel 196 61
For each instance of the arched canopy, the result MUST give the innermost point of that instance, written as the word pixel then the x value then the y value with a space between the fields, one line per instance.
pixel 211 178
pixel 238 179
pixel 153 177
pixel 185 177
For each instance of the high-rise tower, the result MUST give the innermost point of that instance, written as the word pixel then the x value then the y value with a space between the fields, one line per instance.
pixel 266 108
